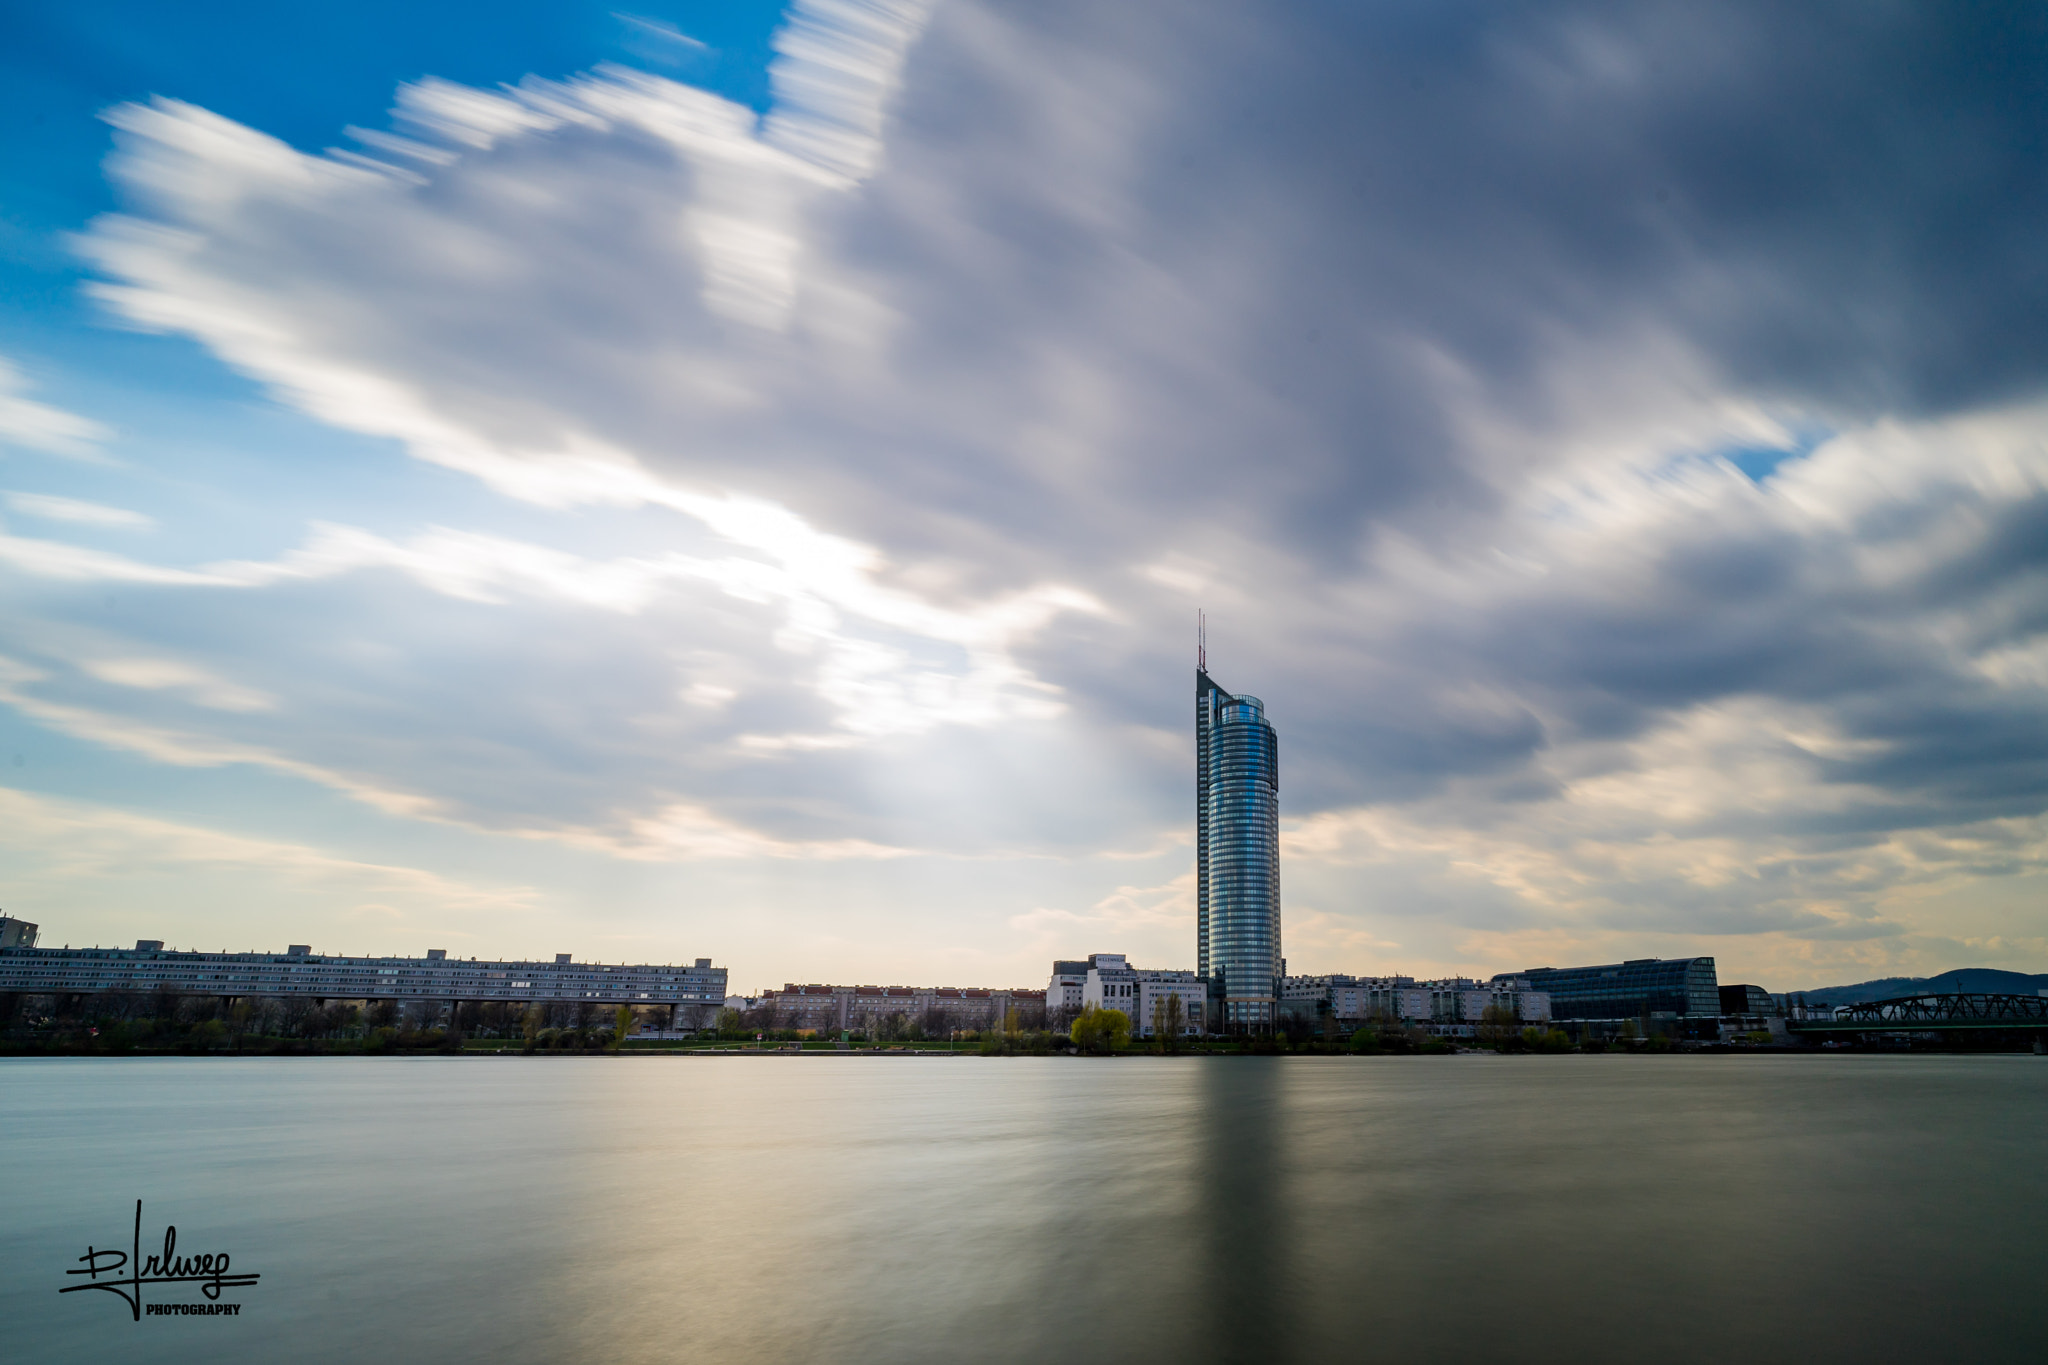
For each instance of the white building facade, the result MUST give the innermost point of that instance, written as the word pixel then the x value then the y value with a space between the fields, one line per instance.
pixel 1063 992
pixel 1149 997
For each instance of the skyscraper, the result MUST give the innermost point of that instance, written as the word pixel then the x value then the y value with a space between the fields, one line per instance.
pixel 1237 856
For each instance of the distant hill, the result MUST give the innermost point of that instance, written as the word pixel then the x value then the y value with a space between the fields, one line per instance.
pixel 1967 980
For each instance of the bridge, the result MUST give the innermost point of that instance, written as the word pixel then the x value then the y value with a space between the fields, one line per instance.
pixel 1934 1014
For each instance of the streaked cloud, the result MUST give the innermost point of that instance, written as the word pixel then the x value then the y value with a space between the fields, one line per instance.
pixel 38 426
pixel 76 511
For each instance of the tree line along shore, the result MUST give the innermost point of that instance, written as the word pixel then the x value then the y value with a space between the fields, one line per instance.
pixel 115 1023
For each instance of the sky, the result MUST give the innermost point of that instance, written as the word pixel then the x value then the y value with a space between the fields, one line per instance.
pixel 738 480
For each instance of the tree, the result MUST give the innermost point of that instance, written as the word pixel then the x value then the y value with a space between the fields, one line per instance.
pixel 1499 1028
pixel 1296 1029
pixel 1097 1030
pixel 297 1010
pixel 622 1024
pixel 163 1004
pixel 1168 1019
pixel 269 1015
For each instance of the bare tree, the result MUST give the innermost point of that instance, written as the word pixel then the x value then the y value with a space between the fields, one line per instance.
pixel 1499 1027
pixel 293 1012
pixel 1168 1018
pixel 120 1005
pixel 163 1003
pixel 268 1015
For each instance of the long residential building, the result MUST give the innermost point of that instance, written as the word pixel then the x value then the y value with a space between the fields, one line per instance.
pixel 861 1007
pixel 299 971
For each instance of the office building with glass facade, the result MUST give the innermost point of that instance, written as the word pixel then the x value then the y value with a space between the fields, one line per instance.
pixel 1237 858
pixel 1628 990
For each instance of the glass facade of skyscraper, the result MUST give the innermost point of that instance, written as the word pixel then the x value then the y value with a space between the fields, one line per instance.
pixel 1626 990
pixel 1237 856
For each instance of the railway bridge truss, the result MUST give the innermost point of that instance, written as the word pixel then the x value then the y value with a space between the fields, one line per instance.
pixel 1955 1013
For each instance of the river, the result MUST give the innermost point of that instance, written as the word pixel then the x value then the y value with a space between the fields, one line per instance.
pixel 757 1210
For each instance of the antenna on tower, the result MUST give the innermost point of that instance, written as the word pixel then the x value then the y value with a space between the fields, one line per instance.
pixel 1201 640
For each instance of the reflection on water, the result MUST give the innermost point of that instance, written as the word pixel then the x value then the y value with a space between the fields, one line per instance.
pixel 1242 1212
pixel 910 1210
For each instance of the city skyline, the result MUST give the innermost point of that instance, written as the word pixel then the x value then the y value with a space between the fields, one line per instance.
pixel 737 478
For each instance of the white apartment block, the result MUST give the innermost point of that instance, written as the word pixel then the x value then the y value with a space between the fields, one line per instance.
pixel 1141 993
pixel 1063 991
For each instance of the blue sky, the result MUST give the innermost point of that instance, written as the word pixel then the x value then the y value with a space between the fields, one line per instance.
pixel 719 480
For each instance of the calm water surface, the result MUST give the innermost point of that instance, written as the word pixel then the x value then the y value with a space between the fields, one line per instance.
pixel 901 1210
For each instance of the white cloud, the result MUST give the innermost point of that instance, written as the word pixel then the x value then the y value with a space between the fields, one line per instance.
pixel 76 564
pixel 817 579
pixel 202 685
pixel 50 507
pixel 61 851
pixel 38 426
pixel 690 833
pixel 185 749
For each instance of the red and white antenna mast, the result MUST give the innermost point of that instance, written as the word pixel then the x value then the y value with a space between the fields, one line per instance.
pixel 1201 640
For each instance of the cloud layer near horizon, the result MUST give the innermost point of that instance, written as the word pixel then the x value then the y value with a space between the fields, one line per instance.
pixel 1609 437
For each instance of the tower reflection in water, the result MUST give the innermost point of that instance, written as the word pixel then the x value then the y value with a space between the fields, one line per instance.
pixel 1243 1213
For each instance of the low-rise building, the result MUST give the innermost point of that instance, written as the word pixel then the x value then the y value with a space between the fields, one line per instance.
pixel 1151 998
pixel 832 1008
pixel 1451 1005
